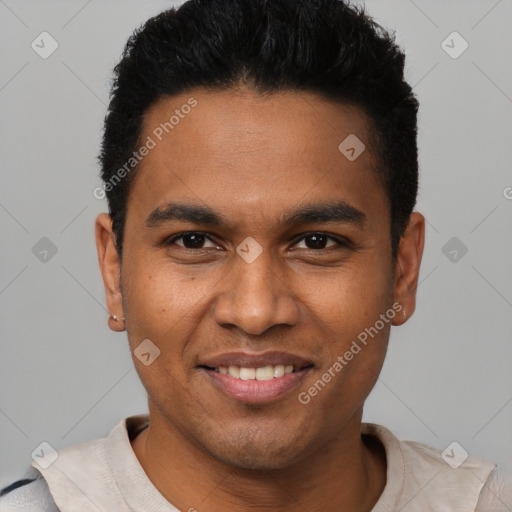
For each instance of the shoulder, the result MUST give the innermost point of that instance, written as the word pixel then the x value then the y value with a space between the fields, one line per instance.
pixel 452 460
pixel 496 494
pixel 67 477
pixel 421 476
pixel 29 494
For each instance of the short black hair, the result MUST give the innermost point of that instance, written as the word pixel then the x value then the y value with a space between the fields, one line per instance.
pixel 327 47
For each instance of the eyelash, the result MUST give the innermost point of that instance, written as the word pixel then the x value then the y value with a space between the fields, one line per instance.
pixel 342 243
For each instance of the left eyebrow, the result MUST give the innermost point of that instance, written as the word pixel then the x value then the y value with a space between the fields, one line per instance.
pixel 339 211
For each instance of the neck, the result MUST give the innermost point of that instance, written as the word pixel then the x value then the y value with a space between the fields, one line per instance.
pixel 344 474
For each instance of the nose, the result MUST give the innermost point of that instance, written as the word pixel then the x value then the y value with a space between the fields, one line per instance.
pixel 255 297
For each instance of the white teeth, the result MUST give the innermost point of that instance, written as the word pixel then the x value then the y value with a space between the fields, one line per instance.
pixel 264 373
pixel 247 373
pixel 279 370
pixel 234 371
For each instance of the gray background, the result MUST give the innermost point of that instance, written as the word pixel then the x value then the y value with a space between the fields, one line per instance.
pixel 65 378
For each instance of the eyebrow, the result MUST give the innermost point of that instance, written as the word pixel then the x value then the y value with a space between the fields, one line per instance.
pixel 339 211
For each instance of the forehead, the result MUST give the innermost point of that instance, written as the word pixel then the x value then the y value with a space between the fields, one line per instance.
pixel 250 153
pixel 242 120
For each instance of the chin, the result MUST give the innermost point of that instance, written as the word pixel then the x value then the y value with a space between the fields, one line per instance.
pixel 256 461
pixel 262 454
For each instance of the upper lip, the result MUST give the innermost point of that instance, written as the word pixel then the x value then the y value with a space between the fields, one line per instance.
pixel 255 360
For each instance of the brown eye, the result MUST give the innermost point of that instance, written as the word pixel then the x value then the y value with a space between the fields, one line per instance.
pixel 319 241
pixel 192 240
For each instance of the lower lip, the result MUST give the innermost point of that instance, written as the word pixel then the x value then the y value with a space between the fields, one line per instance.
pixel 256 391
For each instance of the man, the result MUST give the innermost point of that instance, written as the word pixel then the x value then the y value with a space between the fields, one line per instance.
pixel 260 163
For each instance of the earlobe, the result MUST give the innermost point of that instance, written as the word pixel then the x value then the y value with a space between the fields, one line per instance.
pixel 110 267
pixel 408 264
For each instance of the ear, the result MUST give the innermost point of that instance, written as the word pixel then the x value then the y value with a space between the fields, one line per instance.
pixel 407 267
pixel 110 267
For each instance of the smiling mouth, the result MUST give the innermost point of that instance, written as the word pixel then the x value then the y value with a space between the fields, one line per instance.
pixel 256 385
pixel 255 377
pixel 262 373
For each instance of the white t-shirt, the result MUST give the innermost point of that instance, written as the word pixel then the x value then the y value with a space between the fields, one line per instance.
pixel 105 474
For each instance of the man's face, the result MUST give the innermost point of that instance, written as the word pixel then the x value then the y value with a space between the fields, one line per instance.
pixel 254 162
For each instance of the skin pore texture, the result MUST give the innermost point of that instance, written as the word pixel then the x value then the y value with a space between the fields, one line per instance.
pixel 254 160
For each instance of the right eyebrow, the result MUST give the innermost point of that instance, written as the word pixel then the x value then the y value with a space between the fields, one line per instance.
pixel 195 214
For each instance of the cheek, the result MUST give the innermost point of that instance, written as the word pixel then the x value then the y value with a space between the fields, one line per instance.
pixel 348 319
pixel 164 307
pixel 354 357
pixel 159 295
pixel 351 299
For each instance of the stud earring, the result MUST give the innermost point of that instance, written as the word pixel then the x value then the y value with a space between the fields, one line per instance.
pixel 116 318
